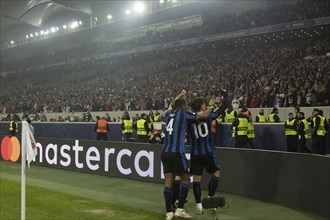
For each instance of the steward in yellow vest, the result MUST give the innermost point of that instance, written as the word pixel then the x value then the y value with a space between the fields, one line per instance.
pixel 150 126
pixel 13 127
pixel 250 132
pixel 127 127
pixel 273 117
pixel 231 115
pixel 291 132
pixel 320 127
pixel 142 128
pixel 156 116
pixel 216 123
pixel 260 118
pixel 303 132
pixel 240 128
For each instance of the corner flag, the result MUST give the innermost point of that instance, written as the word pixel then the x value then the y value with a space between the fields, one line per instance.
pixel 29 144
pixel 28 147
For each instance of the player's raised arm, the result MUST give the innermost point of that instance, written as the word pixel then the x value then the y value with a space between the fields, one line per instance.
pixel 170 107
pixel 204 115
pixel 182 93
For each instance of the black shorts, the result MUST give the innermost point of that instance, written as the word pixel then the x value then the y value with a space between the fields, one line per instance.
pixel 208 161
pixel 176 163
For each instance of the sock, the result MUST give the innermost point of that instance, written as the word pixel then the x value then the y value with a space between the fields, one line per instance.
pixel 168 199
pixel 176 191
pixel 213 185
pixel 197 191
pixel 183 195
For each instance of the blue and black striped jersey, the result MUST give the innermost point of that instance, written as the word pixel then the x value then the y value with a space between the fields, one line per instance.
pixel 176 126
pixel 200 137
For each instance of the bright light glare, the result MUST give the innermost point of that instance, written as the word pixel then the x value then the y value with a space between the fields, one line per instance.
pixel 27 36
pixel 161 1
pixel 42 32
pixel 109 17
pixel 139 7
pixel 80 22
pixel 36 34
pixel 12 42
pixel 53 29
pixel 64 26
pixel 31 35
pixel 74 25
pixel 127 12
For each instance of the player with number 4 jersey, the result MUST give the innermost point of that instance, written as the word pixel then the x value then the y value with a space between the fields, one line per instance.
pixel 173 154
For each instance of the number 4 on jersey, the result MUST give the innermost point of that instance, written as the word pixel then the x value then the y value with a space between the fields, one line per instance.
pixel 169 126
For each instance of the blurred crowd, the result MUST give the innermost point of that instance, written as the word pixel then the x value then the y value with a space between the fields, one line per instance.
pixel 256 74
pixel 253 72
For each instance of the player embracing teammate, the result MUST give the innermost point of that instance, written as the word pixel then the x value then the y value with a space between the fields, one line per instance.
pixel 177 120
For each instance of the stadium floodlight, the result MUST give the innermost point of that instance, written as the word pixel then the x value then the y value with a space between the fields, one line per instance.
pixel 31 35
pixel 53 29
pixel 161 1
pixel 27 36
pixel 42 32
pixel 57 29
pixel 127 12
pixel 36 34
pixel 109 17
pixel 139 7
pixel 80 22
pixel 12 42
pixel 64 26
pixel 74 25
pixel 95 18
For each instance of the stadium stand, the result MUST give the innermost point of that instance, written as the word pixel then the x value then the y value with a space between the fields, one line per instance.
pixel 282 69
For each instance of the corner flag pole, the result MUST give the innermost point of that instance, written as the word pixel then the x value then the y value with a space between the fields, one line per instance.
pixel 23 168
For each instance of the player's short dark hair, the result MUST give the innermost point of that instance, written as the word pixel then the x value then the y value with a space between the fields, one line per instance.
pixel 179 104
pixel 197 103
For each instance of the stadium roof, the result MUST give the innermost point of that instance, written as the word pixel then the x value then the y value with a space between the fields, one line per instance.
pixel 21 17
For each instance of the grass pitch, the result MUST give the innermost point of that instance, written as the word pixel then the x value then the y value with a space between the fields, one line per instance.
pixel 53 194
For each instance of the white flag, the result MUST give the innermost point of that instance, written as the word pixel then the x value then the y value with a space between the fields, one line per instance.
pixel 28 142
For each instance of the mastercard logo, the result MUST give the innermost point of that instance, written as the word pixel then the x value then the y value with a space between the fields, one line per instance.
pixel 10 148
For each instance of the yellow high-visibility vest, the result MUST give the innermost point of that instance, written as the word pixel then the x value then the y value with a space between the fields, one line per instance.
pixel 140 127
pixel 271 118
pixel 128 126
pixel 307 134
pixel 250 131
pixel 262 118
pixel 321 131
pixel 11 126
pixel 290 131
pixel 231 116
pixel 242 127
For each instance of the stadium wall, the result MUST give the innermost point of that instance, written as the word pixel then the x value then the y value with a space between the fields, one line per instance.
pixel 268 136
pixel 295 179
